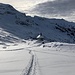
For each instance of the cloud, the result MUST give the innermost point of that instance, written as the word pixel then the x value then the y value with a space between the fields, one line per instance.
pixel 56 7
pixel 22 4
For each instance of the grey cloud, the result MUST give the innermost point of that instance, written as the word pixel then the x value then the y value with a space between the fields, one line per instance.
pixel 58 7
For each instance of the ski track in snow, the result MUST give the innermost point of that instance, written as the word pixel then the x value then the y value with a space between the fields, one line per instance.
pixel 28 69
pixel 37 60
pixel 55 62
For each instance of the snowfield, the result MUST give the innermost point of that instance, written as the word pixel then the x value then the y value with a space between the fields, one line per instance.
pixel 55 59
pixel 14 60
pixel 32 58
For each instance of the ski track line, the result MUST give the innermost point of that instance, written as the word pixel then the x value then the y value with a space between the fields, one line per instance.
pixel 28 69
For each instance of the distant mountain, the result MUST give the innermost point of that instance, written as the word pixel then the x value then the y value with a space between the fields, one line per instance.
pixel 14 23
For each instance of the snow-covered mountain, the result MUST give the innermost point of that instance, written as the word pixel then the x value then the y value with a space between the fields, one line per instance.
pixel 30 57
pixel 15 23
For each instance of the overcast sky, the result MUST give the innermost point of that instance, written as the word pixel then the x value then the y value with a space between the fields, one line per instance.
pixel 63 8
pixel 23 4
pixel 59 7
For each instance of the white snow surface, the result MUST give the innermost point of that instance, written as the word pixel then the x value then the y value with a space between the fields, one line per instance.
pixel 14 59
pixel 53 58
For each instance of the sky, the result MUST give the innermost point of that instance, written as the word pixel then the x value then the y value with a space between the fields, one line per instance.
pixel 57 8
pixel 63 8
pixel 23 4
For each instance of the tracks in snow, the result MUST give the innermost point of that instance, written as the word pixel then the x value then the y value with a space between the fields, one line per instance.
pixel 30 69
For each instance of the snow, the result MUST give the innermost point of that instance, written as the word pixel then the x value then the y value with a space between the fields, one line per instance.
pixel 15 23
pixel 21 54
pixel 56 63
pixel 55 60
pixel 14 61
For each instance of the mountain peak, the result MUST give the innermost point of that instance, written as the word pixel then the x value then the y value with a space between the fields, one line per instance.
pixel 27 27
pixel 7 9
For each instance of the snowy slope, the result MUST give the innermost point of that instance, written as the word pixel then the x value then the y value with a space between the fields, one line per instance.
pixel 14 59
pixel 49 58
pixel 54 58
pixel 25 27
